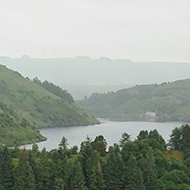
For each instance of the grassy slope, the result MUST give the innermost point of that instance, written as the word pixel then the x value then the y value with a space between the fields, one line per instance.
pixel 20 98
pixel 170 102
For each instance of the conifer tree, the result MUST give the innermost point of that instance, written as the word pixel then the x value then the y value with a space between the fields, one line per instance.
pixel 63 144
pixel 133 176
pixel 78 180
pixel 59 184
pixel 100 145
pixel 44 171
pixel 125 138
pixel 91 168
pixel 149 171
pixel 114 170
pixel 6 176
pixel 24 177
pixel 156 141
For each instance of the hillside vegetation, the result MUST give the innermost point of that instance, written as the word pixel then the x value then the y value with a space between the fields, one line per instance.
pixel 164 102
pixel 25 106
pixel 49 86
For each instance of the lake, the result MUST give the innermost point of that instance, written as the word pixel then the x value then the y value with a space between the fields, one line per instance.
pixel 111 130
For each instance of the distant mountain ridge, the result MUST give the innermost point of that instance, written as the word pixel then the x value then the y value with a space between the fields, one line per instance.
pixel 25 106
pixel 155 102
pixel 83 70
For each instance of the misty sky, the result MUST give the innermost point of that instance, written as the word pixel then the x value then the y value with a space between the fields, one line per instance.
pixel 140 30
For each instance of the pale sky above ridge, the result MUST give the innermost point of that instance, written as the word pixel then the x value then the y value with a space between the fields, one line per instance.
pixel 139 30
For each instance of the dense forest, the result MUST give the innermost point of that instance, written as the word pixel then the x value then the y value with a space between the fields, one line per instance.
pixel 146 163
pixel 26 106
pixel 155 102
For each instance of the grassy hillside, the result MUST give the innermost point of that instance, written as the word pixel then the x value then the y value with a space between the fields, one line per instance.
pixel 25 106
pixel 164 102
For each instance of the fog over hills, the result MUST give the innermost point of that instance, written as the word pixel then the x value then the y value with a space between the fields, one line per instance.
pixel 86 72
pixel 103 71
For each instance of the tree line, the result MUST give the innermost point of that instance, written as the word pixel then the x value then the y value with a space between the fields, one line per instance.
pixel 145 163
pixel 54 89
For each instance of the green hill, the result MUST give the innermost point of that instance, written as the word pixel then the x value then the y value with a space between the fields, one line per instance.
pixel 25 106
pixel 164 102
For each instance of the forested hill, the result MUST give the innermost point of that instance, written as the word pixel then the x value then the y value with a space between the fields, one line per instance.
pixel 163 102
pixel 25 106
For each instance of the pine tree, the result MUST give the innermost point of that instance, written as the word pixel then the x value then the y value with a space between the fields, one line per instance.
pixel 125 138
pixel 91 168
pixel 59 184
pixel 78 180
pixel 6 176
pixel 114 170
pixel 45 172
pixel 156 141
pixel 100 145
pixel 63 144
pixel 133 176
pixel 24 177
pixel 149 170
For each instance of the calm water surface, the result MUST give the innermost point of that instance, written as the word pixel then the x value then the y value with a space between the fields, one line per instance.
pixel 111 130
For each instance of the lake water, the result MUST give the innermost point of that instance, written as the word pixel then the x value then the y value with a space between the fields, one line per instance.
pixel 111 130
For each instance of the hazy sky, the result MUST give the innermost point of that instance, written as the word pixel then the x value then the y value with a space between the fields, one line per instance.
pixel 140 30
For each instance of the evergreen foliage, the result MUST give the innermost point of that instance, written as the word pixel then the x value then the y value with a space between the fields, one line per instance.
pixel 100 145
pixel 133 176
pixel 180 139
pixel 92 168
pixel 114 169
pixel 125 138
pixel 6 166
pixel 23 176
pixel 137 165
pixel 78 180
